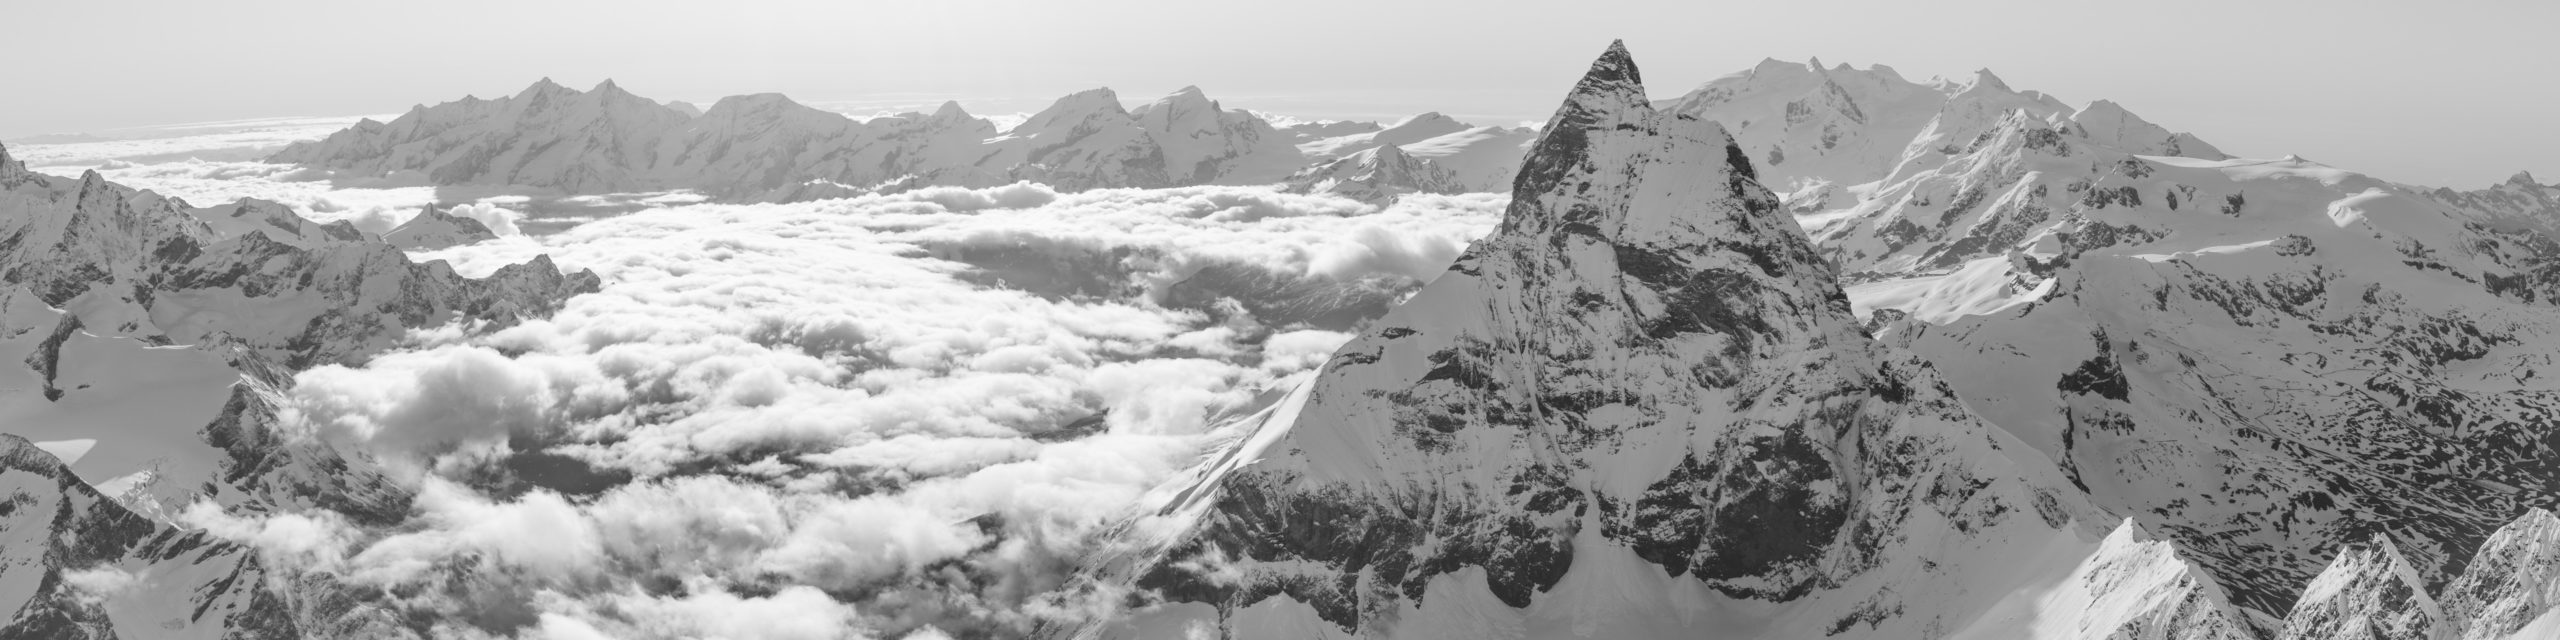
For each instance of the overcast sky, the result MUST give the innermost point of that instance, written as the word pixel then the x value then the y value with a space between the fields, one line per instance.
pixel 2450 92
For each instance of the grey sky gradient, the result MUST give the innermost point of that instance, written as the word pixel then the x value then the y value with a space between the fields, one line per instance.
pixel 2449 92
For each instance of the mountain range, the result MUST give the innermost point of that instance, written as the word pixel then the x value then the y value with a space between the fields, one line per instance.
pixel 765 147
pixel 1805 352
pixel 2119 385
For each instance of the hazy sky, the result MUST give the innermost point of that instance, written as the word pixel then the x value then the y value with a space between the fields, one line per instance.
pixel 2451 92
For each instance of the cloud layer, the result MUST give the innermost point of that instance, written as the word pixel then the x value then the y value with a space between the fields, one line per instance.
pixel 880 416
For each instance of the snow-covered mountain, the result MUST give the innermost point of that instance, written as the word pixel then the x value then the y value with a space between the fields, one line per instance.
pixel 1377 174
pixel 2134 316
pixel 599 140
pixel 2506 592
pixel 1807 352
pixel 134 263
pixel 1640 408
pixel 1478 158
pixel 436 229
pixel 767 147
pixel 1819 134
pixel 156 338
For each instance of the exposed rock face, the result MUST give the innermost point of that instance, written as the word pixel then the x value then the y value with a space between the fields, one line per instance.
pixel 1643 396
pixel 2507 591
pixel 78 565
pixel 133 263
pixel 2369 593
pixel 2128 315
pixel 1377 175
pixel 91 274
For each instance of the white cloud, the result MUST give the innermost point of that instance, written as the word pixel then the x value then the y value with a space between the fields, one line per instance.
pixel 316 540
pixel 499 220
pixel 792 613
pixel 808 395
pixel 539 533
pixel 98 583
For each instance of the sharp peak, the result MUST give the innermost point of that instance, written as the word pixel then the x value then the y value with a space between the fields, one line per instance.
pixel 950 108
pixel 545 86
pixel 2523 178
pixel 1983 77
pixel 1615 69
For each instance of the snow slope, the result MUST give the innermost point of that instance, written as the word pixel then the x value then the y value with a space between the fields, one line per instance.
pixel 1640 408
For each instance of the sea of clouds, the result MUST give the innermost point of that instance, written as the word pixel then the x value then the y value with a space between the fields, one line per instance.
pixel 890 416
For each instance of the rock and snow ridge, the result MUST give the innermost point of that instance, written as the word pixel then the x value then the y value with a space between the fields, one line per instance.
pixel 1823 137
pixel 162 334
pixel 2130 314
pixel 137 264
pixel 1377 174
pixel 765 147
pixel 1639 408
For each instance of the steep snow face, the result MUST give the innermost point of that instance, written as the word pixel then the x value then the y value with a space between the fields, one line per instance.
pixel 1639 408
pixel 1376 175
pixel 2370 592
pixel 2510 588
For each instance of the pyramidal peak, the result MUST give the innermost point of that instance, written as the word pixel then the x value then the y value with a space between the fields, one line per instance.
pixel 544 86
pixel 2523 179
pixel 1985 79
